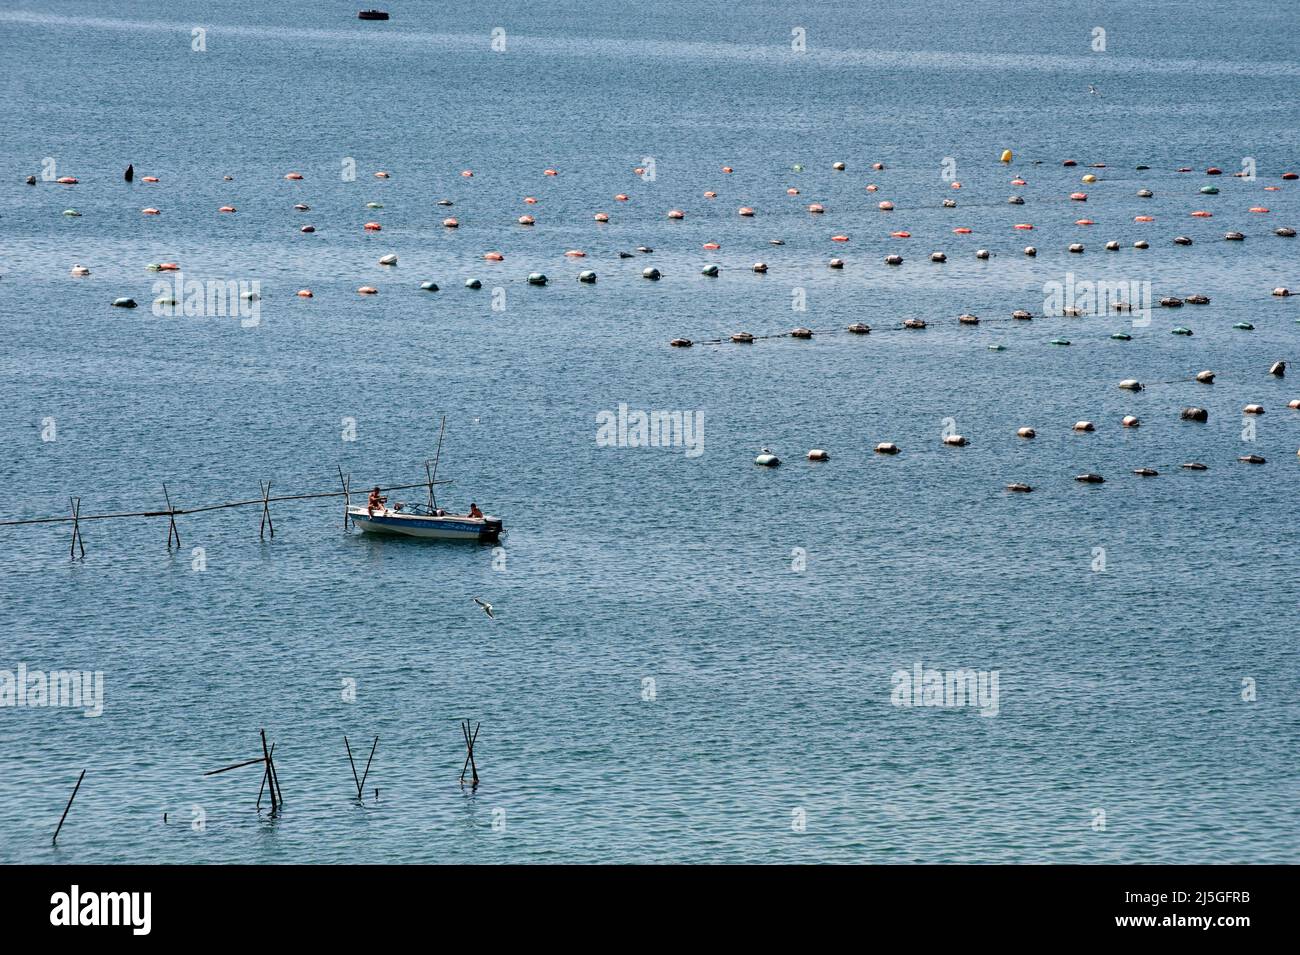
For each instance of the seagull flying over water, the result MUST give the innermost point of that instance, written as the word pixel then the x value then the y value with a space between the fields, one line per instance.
pixel 487 607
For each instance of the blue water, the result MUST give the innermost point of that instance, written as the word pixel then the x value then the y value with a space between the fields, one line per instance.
pixel 1120 689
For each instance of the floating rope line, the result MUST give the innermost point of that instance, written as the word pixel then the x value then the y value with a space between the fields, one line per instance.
pixel 76 518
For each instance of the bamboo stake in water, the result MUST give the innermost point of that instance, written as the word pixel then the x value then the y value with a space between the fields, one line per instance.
pixel 75 790
pixel 353 763
pixel 367 772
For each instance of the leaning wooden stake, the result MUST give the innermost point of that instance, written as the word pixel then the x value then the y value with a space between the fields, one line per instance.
pixel 368 761
pixel 76 529
pixel 171 528
pixel 355 781
pixel 432 475
pixel 266 512
pixel 347 497
pixel 469 754
pixel 270 774
pixel 265 773
pixel 75 789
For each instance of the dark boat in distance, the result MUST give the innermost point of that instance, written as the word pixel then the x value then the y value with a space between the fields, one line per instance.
pixel 373 15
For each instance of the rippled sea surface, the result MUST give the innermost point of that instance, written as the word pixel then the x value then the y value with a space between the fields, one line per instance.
pixel 692 658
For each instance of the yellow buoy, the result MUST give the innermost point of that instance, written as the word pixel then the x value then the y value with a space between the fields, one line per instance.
pixel 1006 155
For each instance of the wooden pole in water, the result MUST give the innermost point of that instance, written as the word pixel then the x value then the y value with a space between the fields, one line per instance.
pixel 367 772
pixel 347 498
pixel 266 512
pixel 469 746
pixel 75 790
pixel 438 454
pixel 355 780
pixel 171 514
pixel 270 773
pixel 76 529
pixel 265 773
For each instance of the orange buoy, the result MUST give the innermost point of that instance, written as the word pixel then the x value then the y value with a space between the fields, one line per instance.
pixel 293 175
pixel 816 207
pixel 639 170
pixel 621 197
pixel 746 212
pixel 961 230
pixel 885 206
pixel 1202 214
pixel 601 217
pixel 676 214
pixel 576 254
pixel 792 191
pixel 304 293
pixel 1258 209
pixel 1083 222
pixel 872 187
pixel 381 175
pixel 711 246
pixel 1079 196
pixel 525 220
pixel 901 235
pixel 372 226
pixel 168 267
pixel 710 195
pixel 1144 218
pixel 1291 175
pixel 451 223
pixel 150 211
pixel 1023 226
pixel 308 229
pixel 726 169
pixel 877 166
pixel 839 238
pixel 1017 182
pixel 530 200
pixel 367 290
pixel 955 185
pixel 1272 188
pixel 149 179
pixel 226 209
pixel 67 180
pixel 494 256
pixel 549 172
pixel 467 173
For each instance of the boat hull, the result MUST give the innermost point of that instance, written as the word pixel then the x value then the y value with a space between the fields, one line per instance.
pixel 434 528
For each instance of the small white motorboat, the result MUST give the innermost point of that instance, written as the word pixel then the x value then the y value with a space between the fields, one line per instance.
pixel 414 520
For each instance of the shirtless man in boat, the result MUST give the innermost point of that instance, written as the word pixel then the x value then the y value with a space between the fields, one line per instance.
pixel 474 511
pixel 375 502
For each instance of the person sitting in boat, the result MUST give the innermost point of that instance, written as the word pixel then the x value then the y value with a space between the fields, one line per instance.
pixel 474 511
pixel 375 501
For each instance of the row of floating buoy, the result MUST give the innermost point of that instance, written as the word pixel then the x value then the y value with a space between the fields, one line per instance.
pixel 838 165
pixel 768 459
